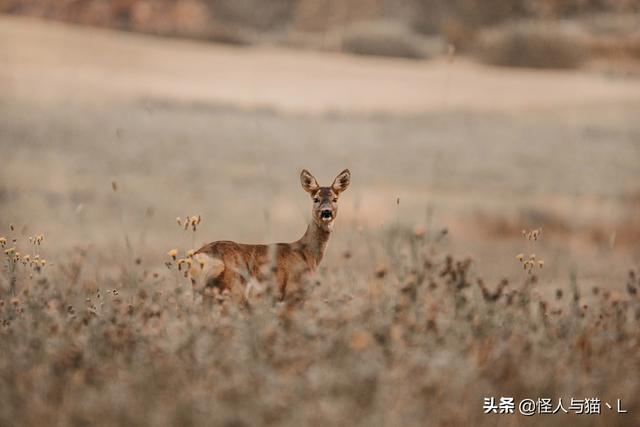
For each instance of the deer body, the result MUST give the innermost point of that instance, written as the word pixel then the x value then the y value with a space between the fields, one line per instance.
pixel 232 266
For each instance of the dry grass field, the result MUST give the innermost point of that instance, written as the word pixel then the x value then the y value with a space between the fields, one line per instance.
pixel 420 309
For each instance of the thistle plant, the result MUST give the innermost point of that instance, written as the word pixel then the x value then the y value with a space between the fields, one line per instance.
pixel 530 262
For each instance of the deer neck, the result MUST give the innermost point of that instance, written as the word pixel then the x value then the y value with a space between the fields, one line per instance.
pixel 314 241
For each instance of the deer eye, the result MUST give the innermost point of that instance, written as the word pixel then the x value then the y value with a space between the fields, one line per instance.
pixel 335 200
pixel 316 200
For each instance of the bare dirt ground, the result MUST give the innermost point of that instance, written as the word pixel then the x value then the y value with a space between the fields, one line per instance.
pixel 185 127
pixel 99 66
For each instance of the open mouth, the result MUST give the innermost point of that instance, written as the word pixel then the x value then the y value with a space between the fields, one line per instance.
pixel 326 216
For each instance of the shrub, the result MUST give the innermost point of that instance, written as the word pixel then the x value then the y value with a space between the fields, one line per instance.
pixel 382 38
pixel 532 44
pixel 252 14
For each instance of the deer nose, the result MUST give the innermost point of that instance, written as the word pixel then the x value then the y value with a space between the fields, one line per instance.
pixel 326 213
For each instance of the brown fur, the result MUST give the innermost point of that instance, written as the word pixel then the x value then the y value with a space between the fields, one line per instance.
pixel 234 266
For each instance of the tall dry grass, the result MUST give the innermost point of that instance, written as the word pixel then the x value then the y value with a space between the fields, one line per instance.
pixel 397 333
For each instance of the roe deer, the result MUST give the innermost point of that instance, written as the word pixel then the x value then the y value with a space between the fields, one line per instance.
pixel 227 265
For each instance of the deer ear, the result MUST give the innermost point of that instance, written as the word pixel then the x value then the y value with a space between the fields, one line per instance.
pixel 342 181
pixel 308 181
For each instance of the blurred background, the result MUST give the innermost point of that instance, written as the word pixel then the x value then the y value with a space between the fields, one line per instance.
pixel 527 33
pixel 481 117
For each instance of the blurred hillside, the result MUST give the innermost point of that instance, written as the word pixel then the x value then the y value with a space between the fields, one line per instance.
pixel 530 33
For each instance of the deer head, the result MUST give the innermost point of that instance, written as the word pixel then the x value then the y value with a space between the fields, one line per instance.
pixel 325 199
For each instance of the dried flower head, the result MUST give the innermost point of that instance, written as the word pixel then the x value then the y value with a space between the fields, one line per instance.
pixel 360 340
pixel 381 271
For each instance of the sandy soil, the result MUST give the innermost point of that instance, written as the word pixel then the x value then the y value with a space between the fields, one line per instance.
pixel 89 65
